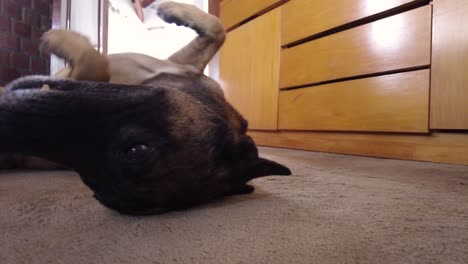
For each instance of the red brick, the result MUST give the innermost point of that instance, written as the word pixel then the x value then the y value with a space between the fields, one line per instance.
pixel 11 9
pixel 30 47
pixel 4 57
pixel 24 3
pixel 46 23
pixel 21 29
pixel 31 17
pixel 18 60
pixel 8 41
pixel 25 73
pixel 44 53
pixel 7 75
pixel 4 23
pixel 42 7
pixel 37 33
pixel 39 66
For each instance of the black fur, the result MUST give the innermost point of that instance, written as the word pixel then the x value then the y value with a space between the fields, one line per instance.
pixel 142 149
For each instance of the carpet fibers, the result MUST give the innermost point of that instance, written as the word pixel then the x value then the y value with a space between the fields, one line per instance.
pixel 333 209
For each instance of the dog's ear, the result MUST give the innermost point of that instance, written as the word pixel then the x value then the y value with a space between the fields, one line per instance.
pixel 262 167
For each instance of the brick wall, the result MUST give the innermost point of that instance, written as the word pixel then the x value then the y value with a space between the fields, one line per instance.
pixel 22 23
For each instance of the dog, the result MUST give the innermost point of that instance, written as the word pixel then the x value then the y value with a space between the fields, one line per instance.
pixel 146 135
pixel 127 68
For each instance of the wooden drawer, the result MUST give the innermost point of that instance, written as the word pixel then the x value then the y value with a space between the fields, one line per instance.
pixel 398 42
pixel 449 89
pixel 303 18
pixel 389 103
pixel 235 11
pixel 249 70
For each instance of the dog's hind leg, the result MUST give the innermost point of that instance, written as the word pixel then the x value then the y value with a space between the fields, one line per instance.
pixel 211 33
pixel 86 63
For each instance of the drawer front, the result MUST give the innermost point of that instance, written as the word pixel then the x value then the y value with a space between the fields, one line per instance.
pixel 235 11
pixel 398 42
pixel 249 70
pixel 449 88
pixel 303 18
pixel 389 103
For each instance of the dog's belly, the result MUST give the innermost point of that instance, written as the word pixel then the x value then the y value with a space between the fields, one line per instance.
pixel 135 69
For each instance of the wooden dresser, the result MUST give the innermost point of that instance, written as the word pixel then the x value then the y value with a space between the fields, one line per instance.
pixel 385 78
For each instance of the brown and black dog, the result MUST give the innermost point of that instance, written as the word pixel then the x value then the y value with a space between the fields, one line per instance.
pixel 146 135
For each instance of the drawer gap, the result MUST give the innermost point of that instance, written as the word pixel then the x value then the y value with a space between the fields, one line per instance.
pixel 359 22
pixel 357 77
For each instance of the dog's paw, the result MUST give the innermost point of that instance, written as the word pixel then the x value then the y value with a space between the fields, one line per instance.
pixel 52 38
pixel 66 44
pixel 177 13
pixel 192 17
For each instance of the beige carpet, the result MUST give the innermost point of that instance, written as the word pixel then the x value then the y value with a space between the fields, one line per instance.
pixel 334 209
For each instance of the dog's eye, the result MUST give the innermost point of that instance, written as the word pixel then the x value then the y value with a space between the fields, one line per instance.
pixel 137 152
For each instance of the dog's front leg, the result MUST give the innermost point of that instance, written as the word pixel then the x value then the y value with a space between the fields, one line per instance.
pixel 211 33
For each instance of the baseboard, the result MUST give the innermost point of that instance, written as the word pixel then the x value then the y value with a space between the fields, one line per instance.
pixel 436 147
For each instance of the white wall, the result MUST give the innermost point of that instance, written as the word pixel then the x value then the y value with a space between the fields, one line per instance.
pixel 84 19
pixel 57 64
pixel 154 37
pixel 126 32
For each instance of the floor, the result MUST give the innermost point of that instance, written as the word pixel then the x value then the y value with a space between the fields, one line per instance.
pixel 333 209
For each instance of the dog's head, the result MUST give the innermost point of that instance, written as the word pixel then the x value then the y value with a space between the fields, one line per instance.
pixel 142 150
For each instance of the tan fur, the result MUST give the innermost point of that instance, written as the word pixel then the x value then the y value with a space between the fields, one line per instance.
pixel 86 63
pixel 131 68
